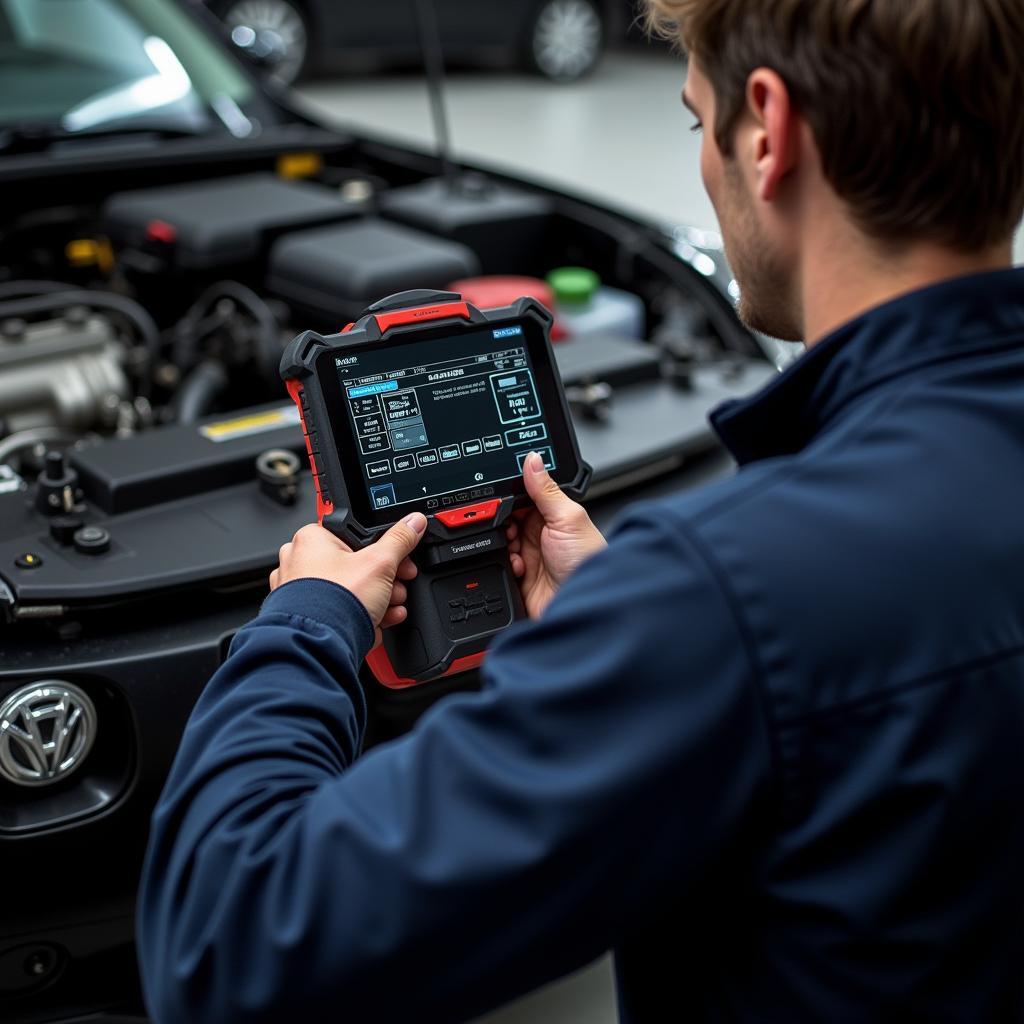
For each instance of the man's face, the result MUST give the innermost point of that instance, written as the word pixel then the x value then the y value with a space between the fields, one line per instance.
pixel 754 241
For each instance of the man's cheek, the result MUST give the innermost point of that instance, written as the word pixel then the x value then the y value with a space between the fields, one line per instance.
pixel 707 174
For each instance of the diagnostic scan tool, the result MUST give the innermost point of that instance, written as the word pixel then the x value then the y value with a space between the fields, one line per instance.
pixel 430 405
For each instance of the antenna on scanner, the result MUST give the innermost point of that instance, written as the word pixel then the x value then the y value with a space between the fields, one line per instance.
pixel 433 61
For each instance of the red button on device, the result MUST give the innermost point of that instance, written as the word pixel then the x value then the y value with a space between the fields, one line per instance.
pixel 469 514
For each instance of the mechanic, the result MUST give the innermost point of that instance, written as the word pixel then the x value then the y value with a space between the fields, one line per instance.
pixel 765 744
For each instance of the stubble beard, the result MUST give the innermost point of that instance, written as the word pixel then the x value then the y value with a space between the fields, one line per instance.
pixel 767 287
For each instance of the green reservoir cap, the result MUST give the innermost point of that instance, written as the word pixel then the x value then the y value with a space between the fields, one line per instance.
pixel 574 285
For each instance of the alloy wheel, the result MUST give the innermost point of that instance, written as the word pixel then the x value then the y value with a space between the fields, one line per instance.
pixel 567 38
pixel 285 21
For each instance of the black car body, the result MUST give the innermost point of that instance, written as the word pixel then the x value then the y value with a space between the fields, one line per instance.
pixel 140 322
pixel 562 39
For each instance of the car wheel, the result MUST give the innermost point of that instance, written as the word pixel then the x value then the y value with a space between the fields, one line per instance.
pixel 567 39
pixel 282 18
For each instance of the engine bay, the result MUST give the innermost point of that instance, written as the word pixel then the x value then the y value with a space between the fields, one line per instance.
pixel 161 305
pixel 132 327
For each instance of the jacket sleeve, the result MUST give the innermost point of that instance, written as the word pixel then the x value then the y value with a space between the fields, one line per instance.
pixel 516 834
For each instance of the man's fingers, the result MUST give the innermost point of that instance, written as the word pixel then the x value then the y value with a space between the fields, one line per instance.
pixel 399 594
pixel 313 533
pixel 273 580
pixel 546 494
pixel 393 616
pixel 407 570
pixel 518 565
pixel 398 543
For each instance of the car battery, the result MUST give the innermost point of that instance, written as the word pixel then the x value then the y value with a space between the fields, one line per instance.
pixel 506 228
pixel 209 226
pixel 331 274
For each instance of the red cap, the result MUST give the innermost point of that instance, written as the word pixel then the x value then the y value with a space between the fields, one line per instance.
pixel 494 291
pixel 161 231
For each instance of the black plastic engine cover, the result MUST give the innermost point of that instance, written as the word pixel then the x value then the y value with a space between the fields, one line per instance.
pixel 212 224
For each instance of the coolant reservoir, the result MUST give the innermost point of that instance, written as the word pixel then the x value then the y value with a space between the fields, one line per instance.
pixel 586 307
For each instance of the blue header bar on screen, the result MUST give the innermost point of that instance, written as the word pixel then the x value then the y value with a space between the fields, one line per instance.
pixel 373 389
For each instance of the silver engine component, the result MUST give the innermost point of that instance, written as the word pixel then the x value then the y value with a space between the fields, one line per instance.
pixel 63 372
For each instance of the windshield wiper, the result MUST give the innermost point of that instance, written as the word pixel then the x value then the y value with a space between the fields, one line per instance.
pixel 34 137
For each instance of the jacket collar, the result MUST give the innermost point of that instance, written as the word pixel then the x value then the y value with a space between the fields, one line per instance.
pixel 945 321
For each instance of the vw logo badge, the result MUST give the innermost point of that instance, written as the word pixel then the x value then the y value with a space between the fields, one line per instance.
pixel 46 731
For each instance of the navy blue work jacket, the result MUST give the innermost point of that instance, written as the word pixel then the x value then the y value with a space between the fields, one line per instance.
pixel 769 746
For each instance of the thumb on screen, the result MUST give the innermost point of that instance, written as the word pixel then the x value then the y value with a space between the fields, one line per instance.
pixel 546 494
pixel 398 543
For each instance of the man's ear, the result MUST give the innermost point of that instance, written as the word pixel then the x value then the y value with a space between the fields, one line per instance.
pixel 775 137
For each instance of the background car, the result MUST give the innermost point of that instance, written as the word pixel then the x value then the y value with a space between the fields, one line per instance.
pixel 562 39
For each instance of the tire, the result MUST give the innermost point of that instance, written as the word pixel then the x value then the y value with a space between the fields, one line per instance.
pixel 566 39
pixel 283 17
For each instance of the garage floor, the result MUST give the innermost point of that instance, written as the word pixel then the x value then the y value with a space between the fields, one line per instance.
pixel 621 137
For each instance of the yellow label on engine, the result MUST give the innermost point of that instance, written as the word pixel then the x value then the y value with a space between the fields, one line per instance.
pixel 299 165
pixel 254 423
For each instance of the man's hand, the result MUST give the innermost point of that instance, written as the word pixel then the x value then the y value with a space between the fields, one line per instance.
pixel 373 575
pixel 551 540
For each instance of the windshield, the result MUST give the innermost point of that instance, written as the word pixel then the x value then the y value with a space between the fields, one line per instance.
pixel 88 65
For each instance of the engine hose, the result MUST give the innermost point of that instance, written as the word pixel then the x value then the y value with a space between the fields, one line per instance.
pixel 269 347
pixel 14 443
pixel 128 308
pixel 23 289
pixel 199 390
pixel 199 322
pixel 188 331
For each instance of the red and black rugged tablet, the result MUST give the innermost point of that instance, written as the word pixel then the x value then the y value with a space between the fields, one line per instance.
pixel 429 404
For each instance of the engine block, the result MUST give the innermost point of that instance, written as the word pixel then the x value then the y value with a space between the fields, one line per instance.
pixel 62 372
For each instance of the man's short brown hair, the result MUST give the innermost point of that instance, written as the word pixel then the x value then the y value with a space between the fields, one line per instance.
pixel 917 106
